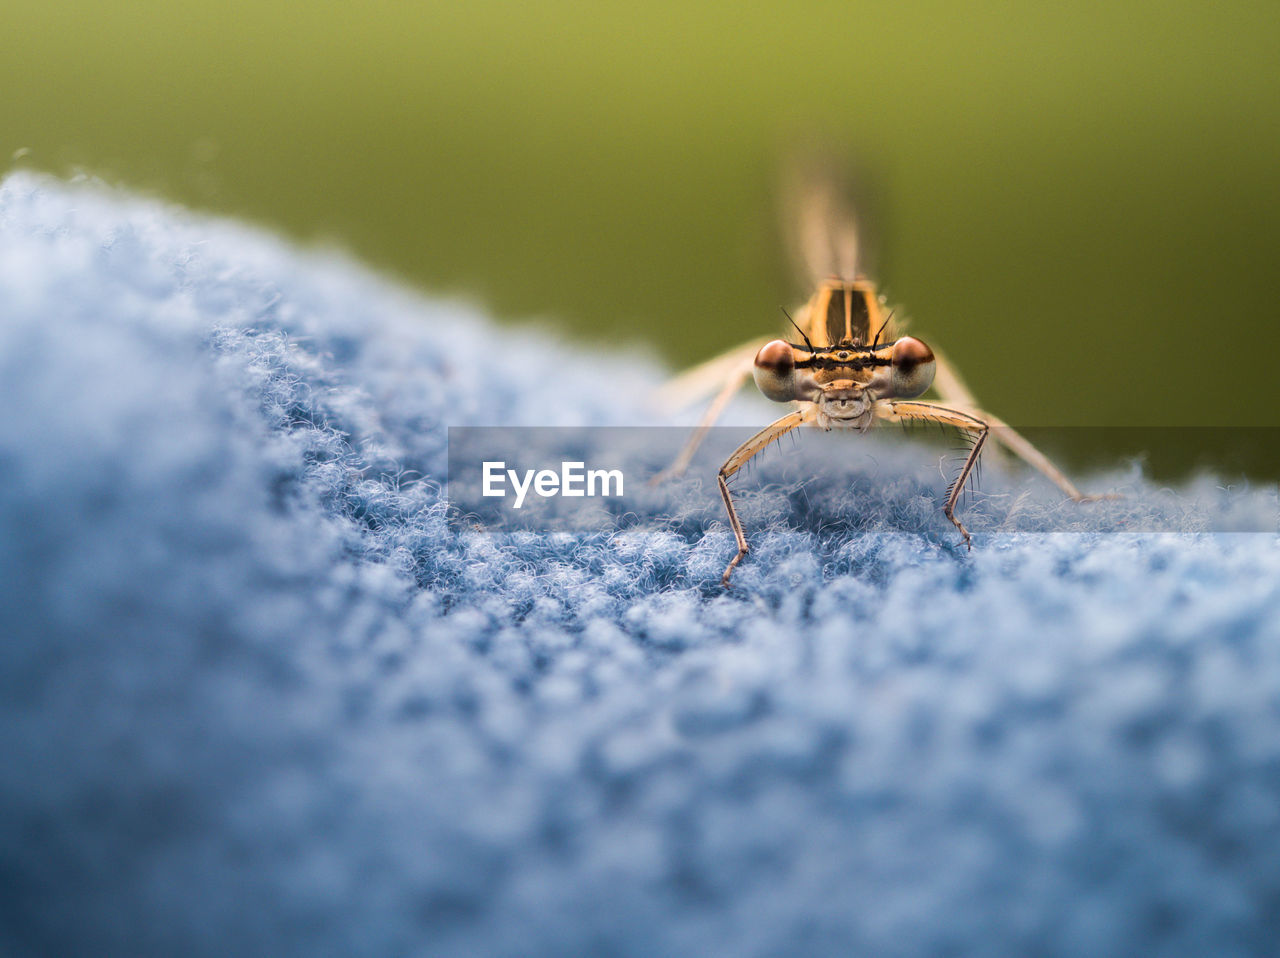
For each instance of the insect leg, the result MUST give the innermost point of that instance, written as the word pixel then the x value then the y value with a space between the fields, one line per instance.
pixel 681 461
pixel 704 379
pixel 929 412
pixel 739 458
pixel 955 393
pixel 725 373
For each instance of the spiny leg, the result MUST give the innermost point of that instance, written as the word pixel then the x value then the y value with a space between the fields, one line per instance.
pixel 739 458
pixel 726 373
pixel 955 393
pixel 929 412
pixel 681 461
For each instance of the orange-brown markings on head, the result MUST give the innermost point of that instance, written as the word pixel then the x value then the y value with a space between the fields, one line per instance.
pixel 909 352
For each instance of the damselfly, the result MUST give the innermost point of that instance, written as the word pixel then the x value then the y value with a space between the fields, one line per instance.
pixel 849 370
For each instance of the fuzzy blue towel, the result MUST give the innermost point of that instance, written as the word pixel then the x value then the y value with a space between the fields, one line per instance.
pixel 257 696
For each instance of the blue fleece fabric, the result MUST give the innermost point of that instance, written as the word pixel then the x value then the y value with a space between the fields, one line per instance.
pixel 256 697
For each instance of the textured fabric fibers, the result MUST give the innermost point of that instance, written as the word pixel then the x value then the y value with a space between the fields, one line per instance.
pixel 257 697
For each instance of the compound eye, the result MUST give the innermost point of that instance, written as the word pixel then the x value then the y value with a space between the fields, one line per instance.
pixel 775 371
pixel 913 367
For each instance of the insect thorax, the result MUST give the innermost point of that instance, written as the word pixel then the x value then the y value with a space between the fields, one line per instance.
pixel 843 312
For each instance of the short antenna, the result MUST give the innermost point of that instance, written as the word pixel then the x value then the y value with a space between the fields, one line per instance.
pixel 876 342
pixel 808 345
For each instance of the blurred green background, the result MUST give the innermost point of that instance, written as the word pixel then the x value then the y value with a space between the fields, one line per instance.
pixel 1078 202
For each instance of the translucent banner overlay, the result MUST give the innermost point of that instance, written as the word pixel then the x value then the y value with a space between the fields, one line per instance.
pixel 602 479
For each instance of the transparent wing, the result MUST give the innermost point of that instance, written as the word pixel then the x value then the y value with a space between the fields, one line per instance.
pixel 827 239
